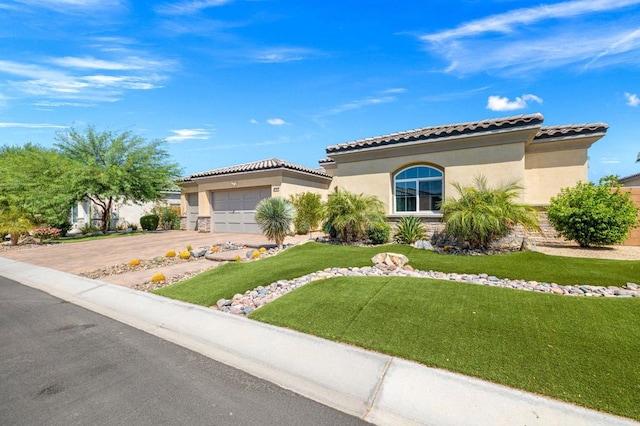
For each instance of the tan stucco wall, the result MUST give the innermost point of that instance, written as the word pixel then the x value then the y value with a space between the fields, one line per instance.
pixel 546 173
pixel 375 176
pixel 292 185
pixel 635 181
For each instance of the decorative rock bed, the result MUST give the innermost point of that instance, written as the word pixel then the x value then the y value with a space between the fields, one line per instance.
pixel 244 304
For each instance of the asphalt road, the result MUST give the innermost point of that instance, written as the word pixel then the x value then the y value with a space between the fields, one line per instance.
pixel 61 364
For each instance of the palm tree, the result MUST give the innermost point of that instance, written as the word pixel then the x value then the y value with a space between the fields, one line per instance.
pixel 14 223
pixel 483 214
pixel 274 217
pixel 351 215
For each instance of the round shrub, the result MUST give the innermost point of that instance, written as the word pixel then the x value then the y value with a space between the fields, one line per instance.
pixel 379 233
pixel 185 254
pixel 134 262
pixel 149 222
pixel 593 215
pixel 170 253
pixel 158 278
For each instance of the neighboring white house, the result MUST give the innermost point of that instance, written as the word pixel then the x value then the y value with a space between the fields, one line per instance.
pixel 87 212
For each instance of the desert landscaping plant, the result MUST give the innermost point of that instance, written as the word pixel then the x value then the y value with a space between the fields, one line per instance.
pixel 593 215
pixel 482 214
pixel 349 216
pixel 409 230
pixel 14 223
pixel 275 216
pixel 46 233
pixel 308 207
pixel 379 233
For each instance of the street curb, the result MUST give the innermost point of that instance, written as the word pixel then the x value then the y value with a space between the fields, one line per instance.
pixel 375 387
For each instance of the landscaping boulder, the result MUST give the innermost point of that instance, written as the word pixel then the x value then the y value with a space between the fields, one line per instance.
pixel 423 245
pixel 199 252
pixel 394 260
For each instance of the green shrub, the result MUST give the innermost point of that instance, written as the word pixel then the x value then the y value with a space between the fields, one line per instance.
pixel 169 216
pixel 149 222
pixel 409 230
pixel 350 215
pixel 275 216
pixel 482 214
pixel 379 233
pixel 308 207
pixel 593 214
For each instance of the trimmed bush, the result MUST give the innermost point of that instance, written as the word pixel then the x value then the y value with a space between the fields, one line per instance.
pixel 149 222
pixel 134 262
pixel 185 254
pixel 158 278
pixel 593 215
pixel 170 253
pixel 379 233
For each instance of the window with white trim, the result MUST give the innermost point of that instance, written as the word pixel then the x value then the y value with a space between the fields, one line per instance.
pixel 418 189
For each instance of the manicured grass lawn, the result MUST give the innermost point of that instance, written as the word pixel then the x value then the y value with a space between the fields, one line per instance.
pixel 581 350
pixel 227 280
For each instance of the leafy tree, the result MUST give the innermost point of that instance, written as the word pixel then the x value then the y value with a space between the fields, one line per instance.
pixel 308 207
pixel 116 167
pixel 275 216
pixel 593 214
pixel 350 215
pixel 482 214
pixel 34 181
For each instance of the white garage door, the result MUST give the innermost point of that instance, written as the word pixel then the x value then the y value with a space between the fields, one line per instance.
pixel 234 210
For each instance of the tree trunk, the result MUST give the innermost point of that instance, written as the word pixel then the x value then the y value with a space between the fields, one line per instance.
pixel 106 215
pixel 15 237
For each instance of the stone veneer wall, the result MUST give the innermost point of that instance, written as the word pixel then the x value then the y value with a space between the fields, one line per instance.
pixel 204 224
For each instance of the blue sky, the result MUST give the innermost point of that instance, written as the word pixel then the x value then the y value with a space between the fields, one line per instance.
pixel 227 82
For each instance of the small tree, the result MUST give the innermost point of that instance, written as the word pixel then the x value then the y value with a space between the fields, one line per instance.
pixel 116 167
pixel 593 215
pixel 308 207
pixel 350 215
pixel 15 223
pixel 274 217
pixel 482 214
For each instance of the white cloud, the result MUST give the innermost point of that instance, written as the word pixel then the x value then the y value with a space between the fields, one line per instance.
pixel 189 7
pixel 281 54
pixel 182 135
pixel 253 121
pixel 276 122
pixel 609 160
pixel 361 103
pixel 75 6
pixel 507 22
pixel 31 125
pixel 539 38
pixel 394 90
pixel 498 103
pixel 632 99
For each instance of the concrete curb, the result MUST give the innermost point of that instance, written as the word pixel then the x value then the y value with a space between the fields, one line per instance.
pixel 376 387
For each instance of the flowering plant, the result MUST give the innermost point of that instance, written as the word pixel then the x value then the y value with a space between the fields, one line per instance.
pixel 46 233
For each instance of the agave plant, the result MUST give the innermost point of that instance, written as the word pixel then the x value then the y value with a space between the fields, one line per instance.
pixel 351 215
pixel 274 217
pixel 409 230
pixel 482 214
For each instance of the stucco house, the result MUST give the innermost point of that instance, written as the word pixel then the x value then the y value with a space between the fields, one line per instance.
pixel 410 171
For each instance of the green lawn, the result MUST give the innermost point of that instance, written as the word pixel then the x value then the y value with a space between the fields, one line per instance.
pixel 581 350
pixel 227 280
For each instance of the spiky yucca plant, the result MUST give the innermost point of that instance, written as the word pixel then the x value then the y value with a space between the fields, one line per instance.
pixel 409 230
pixel 274 217
pixel 482 214
pixel 351 215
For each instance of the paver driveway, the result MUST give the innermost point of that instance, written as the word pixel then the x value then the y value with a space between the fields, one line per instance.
pixel 84 256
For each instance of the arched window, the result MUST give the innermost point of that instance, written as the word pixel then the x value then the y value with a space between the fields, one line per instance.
pixel 418 189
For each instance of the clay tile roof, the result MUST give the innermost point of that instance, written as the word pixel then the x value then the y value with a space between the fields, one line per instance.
pixel 553 132
pixel 437 132
pixel 625 179
pixel 326 161
pixel 269 164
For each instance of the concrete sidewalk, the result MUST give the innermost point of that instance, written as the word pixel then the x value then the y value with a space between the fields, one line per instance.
pixel 378 388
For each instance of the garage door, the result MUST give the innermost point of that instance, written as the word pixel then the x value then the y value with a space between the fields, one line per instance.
pixel 234 210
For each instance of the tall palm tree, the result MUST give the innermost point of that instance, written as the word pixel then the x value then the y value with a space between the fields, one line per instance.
pixel 274 217
pixel 351 215
pixel 482 214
